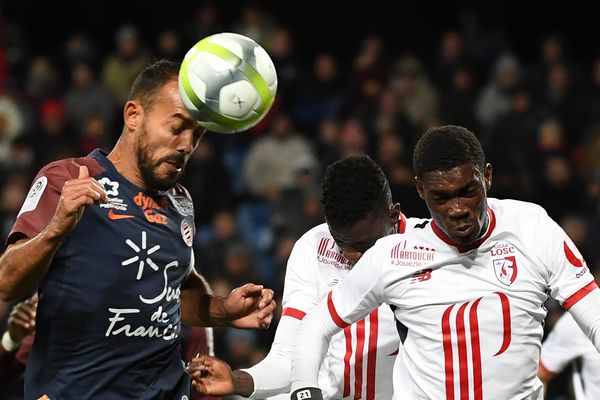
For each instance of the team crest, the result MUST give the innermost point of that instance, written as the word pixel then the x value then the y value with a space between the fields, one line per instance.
pixel 506 270
pixel 187 233
pixel 183 205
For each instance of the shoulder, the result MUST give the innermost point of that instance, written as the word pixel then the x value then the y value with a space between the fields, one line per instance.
pixel 68 168
pixel 314 236
pixel 516 209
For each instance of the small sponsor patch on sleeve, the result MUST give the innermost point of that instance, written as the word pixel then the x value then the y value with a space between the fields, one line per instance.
pixel 34 195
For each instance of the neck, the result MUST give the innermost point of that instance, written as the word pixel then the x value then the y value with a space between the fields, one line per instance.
pixel 486 224
pixel 124 159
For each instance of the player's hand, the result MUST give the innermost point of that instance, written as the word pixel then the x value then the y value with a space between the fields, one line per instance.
pixel 211 376
pixel 250 306
pixel 21 321
pixel 75 196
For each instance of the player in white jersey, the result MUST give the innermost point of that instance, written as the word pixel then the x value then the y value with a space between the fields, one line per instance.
pixel 566 344
pixel 358 207
pixel 467 289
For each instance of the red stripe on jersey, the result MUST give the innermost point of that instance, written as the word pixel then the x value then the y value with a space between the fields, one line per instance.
pixel 578 295
pixel 506 323
pixel 463 248
pixel 462 352
pixel 402 223
pixel 372 354
pixel 348 336
pixel 358 359
pixel 334 315
pixel 448 362
pixel 476 351
pixel 293 312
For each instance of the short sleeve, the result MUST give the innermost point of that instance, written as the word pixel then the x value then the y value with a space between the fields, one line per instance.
pixel 301 288
pixel 569 277
pixel 361 291
pixel 41 201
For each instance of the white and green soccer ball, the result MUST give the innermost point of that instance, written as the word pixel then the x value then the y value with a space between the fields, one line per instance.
pixel 227 82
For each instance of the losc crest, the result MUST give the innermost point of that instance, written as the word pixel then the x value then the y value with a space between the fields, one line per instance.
pixel 506 269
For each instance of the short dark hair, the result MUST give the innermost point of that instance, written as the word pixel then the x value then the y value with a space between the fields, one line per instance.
pixel 445 147
pixel 151 79
pixel 352 187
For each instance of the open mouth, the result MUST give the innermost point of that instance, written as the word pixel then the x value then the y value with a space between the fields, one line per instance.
pixel 175 165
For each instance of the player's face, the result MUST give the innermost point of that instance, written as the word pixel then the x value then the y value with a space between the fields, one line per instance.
pixel 457 200
pixel 167 138
pixel 355 240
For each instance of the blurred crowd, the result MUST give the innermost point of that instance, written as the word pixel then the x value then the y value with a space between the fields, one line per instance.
pixel 256 192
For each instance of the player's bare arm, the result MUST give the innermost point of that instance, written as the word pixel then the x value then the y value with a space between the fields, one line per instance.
pixel 213 377
pixel 247 307
pixel 25 262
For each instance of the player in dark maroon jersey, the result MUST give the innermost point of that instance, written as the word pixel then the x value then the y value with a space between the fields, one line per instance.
pixel 106 240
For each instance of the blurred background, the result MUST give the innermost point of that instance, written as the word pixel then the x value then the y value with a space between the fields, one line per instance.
pixel 368 78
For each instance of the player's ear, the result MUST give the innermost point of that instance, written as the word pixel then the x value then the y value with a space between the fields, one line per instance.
pixel 132 114
pixel 419 186
pixel 394 213
pixel 487 176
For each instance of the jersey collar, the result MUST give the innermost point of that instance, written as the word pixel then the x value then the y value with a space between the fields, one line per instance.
pixel 463 248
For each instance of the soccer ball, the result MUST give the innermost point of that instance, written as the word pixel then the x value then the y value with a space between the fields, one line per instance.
pixel 227 82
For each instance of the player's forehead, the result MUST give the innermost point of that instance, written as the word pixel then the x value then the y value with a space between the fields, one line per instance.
pixel 452 179
pixel 168 102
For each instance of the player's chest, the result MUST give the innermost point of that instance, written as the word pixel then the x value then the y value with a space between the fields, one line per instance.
pixel 499 271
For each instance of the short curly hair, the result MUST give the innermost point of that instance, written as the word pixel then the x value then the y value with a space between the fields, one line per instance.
pixel 352 187
pixel 445 147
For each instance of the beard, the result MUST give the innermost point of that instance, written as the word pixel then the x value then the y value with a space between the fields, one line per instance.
pixel 148 167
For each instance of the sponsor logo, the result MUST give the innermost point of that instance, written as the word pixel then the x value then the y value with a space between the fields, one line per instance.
pixel 150 207
pixel 111 187
pixel 114 216
pixel 581 273
pixel 34 195
pixel 142 255
pixel 112 191
pixel 506 270
pixel 327 254
pixel 187 233
pixel 574 257
pixel 421 276
pixel 411 256
pixel 334 282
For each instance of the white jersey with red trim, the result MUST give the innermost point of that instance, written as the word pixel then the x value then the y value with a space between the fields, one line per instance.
pixel 359 361
pixel 470 317
pixel 567 343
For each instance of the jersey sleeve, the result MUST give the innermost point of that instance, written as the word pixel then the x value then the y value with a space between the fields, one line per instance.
pixel 360 292
pixel 272 375
pixel 569 277
pixel 41 201
pixel 350 301
pixel 565 343
pixel 301 288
